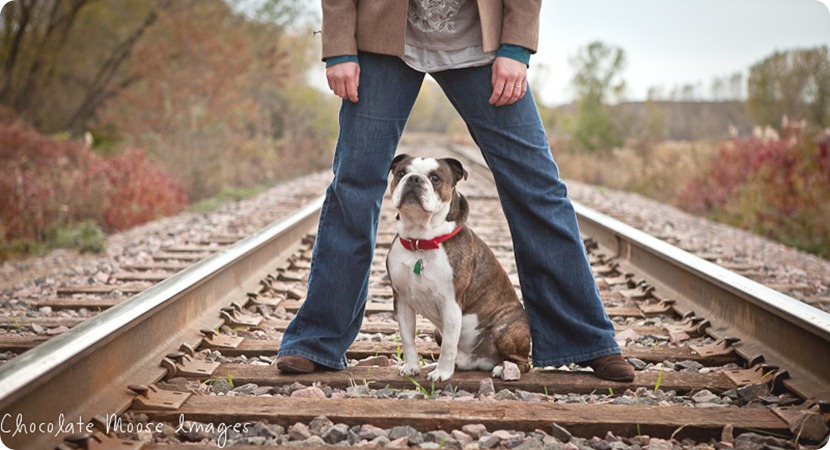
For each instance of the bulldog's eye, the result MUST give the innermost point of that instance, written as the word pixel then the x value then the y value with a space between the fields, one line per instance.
pixel 400 174
pixel 434 178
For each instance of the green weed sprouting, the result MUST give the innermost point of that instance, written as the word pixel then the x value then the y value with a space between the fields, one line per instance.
pixel 398 355
pixel 659 380
pixel 229 379
pixel 429 394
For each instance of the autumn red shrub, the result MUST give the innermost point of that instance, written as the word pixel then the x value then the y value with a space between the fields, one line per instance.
pixel 777 187
pixel 48 183
pixel 139 191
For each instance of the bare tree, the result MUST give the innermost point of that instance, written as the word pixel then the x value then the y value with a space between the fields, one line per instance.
pixel 34 39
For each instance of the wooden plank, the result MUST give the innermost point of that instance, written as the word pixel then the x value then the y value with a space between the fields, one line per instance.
pixel 197 446
pixel 376 307
pixel 19 344
pixel 580 419
pixel 192 248
pixel 425 326
pixel 385 293
pixel 128 288
pixel 422 326
pixel 623 311
pixel 46 322
pixel 371 307
pixel 91 303
pixel 224 239
pixel 535 381
pixel 158 265
pixel 364 349
pixel 141 276
pixel 180 256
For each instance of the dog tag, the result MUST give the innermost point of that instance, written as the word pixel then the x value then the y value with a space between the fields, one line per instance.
pixel 419 267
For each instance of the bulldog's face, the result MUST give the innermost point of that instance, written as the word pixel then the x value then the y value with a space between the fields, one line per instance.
pixel 425 185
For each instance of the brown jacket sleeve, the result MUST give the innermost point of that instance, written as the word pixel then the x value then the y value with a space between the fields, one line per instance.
pixel 339 28
pixel 520 24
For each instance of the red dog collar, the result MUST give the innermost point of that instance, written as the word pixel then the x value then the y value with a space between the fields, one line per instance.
pixel 427 244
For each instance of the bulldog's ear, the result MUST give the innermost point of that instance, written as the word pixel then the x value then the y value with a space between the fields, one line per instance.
pixel 458 171
pixel 397 161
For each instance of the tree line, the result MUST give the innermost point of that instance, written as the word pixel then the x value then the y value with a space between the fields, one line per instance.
pixel 211 95
pixel 190 81
pixel 792 84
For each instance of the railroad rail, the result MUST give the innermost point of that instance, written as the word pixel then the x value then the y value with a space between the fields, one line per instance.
pixel 197 347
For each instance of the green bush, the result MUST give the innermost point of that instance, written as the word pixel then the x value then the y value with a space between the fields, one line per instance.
pixel 86 236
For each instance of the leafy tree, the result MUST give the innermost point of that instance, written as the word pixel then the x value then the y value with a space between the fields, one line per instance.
pixel 598 77
pixel 793 83
pixel 61 59
pixel 222 99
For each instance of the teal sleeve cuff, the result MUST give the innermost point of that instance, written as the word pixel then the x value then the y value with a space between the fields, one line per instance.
pixel 516 52
pixel 341 59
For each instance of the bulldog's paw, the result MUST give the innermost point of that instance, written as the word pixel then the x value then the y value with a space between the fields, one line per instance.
pixel 410 370
pixel 440 374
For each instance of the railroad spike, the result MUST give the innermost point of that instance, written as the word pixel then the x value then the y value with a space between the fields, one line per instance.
pixel 755 360
pixel 208 333
pixel 170 365
pixel 187 349
pixel 100 424
pixel 139 389
pixel 778 380
pixel 155 398
pixel 77 438
pixel 730 340
pixel 180 357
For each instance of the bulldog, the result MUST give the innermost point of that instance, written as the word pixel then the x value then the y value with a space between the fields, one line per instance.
pixel 440 269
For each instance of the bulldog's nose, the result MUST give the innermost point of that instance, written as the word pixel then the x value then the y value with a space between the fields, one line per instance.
pixel 415 180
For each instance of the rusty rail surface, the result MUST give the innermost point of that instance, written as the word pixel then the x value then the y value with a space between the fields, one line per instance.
pixel 89 367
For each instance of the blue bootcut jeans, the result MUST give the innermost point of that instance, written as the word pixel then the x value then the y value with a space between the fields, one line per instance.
pixel 567 320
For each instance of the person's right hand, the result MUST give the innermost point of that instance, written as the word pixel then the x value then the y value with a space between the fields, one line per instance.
pixel 344 78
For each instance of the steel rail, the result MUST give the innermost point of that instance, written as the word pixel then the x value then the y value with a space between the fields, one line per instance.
pixel 53 387
pixel 772 327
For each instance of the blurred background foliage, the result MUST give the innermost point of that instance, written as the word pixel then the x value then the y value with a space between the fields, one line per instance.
pixel 116 112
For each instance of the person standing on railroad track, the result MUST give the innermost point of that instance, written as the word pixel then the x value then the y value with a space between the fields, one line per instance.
pixel 377 54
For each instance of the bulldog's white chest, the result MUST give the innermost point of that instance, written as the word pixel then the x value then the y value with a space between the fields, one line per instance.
pixel 429 291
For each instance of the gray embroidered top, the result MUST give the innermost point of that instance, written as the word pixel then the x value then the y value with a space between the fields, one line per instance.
pixel 444 34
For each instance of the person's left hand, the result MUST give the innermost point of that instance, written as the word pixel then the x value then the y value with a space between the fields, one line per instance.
pixel 509 81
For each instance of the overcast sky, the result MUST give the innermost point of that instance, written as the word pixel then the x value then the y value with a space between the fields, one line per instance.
pixel 670 43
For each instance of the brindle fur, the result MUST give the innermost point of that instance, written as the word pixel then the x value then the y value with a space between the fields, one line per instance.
pixel 485 288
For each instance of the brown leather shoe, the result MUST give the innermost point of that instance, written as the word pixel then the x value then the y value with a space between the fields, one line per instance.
pixel 295 364
pixel 611 367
